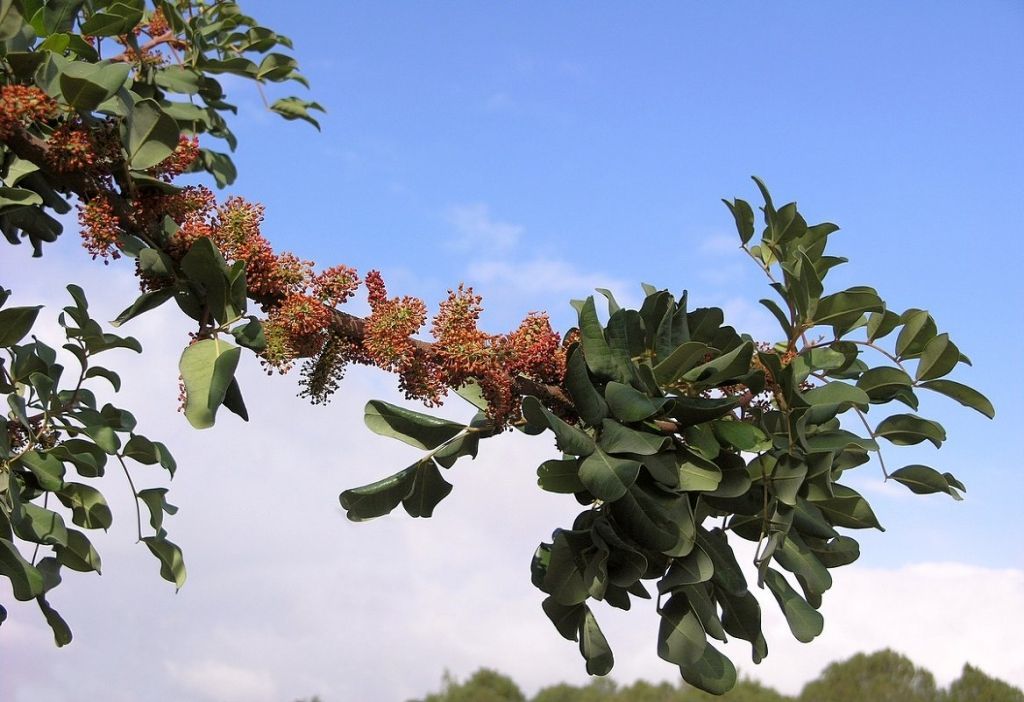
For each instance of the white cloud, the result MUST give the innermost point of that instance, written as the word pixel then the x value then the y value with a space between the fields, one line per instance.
pixel 476 230
pixel 547 277
pixel 222 682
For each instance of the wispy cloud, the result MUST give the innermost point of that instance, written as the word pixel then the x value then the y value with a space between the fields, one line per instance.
pixel 477 230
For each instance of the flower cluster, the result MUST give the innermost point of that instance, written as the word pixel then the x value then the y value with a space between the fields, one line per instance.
pixel 100 228
pixel 186 152
pixel 391 325
pixel 22 105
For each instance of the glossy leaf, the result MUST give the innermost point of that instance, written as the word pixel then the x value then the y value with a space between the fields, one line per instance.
pixel 966 396
pixel 378 498
pixel 923 480
pixel 909 429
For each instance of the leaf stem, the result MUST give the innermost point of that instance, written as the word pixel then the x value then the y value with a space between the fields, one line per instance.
pixel 135 494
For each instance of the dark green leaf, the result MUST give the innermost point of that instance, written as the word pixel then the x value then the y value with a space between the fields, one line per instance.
pixel 607 477
pixel 939 357
pixel 16 322
pixel 26 580
pixel 848 509
pixel 559 476
pixel 744 217
pixel 567 619
pixel 594 646
pixel 589 403
pixel 909 429
pixel 379 498
pixel 569 439
pixel 79 554
pixel 713 672
pixel 414 428
pixel 923 480
pixel 428 489
pixel 144 303
pixel 681 638
pixel 804 621
pixel 967 396
pixel 155 500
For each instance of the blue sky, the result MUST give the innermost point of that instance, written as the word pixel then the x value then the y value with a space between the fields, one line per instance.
pixel 536 152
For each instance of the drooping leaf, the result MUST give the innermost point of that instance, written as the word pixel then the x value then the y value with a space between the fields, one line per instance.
pixel 594 646
pixel 923 480
pixel 966 396
pixel 207 368
pixel 804 621
pixel 428 489
pixel 378 498
pixel 569 439
pixel 713 672
pixel 172 563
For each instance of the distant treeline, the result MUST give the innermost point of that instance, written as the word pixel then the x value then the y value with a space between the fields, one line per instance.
pixel 885 676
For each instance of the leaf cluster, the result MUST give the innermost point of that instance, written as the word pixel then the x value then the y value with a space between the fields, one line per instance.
pixel 686 435
pixel 56 441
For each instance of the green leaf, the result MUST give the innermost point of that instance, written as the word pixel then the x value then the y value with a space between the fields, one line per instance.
pixel 967 396
pixel 144 303
pixel 61 631
pixel 563 578
pixel 693 568
pixel 728 575
pixel 26 579
pixel 681 638
pixel 155 500
pixel 918 329
pixel 923 480
pixel 682 359
pixel 48 471
pixel 88 507
pixel 741 435
pixel 602 361
pixel 568 438
pixel 631 405
pixel 838 393
pixel 292 108
pixel 428 489
pixel 741 617
pixel 11 198
pixel 560 476
pixel 884 383
pixel 115 19
pixel 848 509
pixel 379 498
pixel 86 85
pixel 414 428
pixel 728 366
pixel 594 646
pixel 697 474
pixel 939 357
pixel 11 23
pixel 619 439
pixel 16 322
pixel 841 310
pixel 79 554
pixel 689 411
pixel 172 564
pixel 787 478
pixel 152 135
pixel 713 672
pixel 178 79
pixel 744 216
pixel 250 335
pixel 804 621
pixel 207 368
pixel 909 429
pixel 39 525
pixel 794 556
pixel 588 402
pixel 607 477
pixel 567 619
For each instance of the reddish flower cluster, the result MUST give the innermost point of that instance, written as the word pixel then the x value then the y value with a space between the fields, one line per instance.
pixel 71 149
pixel 100 228
pixel 534 350
pixel 335 285
pixel 157 24
pixel 177 163
pixel 22 105
pixel 390 326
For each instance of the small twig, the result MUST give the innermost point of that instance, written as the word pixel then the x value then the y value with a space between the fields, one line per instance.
pixel 135 494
